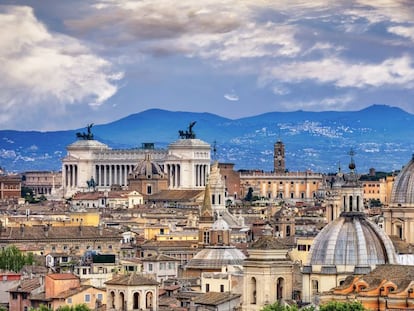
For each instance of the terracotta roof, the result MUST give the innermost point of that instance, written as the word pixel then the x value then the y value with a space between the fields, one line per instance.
pixel 26 286
pixel 58 232
pixel 72 291
pixel 131 280
pixel 176 195
pixel 215 299
pixel 62 276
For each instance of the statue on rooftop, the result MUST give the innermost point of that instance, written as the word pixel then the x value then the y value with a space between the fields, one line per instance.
pixel 88 135
pixel 188 134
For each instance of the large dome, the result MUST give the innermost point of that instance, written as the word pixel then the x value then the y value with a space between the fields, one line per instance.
pixel 215 257
pixel 353 241
pixel 403 188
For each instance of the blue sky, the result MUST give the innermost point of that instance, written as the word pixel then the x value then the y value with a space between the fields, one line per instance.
pixel 65 64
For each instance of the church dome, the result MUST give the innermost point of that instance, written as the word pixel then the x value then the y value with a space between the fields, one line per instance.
pixel 215 257
pixel 147 168
pixel 403 189
pixel 353 241
pixel 220 224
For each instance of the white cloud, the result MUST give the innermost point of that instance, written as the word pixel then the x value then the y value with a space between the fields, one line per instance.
pixel 393 71
pixel 39 67
pixel 232 96
pixel 406 32
pixel 328 103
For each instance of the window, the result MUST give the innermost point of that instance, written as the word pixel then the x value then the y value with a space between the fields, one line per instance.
pixel 100 297
pixel 14 296
pixel 207 288
pixel 222 288
pixel 69 300
pixel 87 298
pixel 150 267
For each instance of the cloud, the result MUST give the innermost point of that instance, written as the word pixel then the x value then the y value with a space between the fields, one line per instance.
pixel 231 96
pixel 45 70
pixel 327 103
pixel 394 71
pixel 406 32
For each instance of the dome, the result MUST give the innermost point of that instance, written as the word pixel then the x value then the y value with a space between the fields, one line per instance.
pixel 352 240
pixel 215 257
pixel 148 168
pixel 220 224
pixel 403 189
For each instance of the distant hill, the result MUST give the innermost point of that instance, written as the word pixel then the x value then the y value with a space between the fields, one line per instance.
pixel 380 135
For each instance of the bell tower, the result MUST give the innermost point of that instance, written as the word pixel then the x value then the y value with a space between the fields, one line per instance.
pixel 279 157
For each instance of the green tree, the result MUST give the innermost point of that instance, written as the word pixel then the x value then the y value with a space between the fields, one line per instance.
pixel 41 308
pixel 12 259
pixel 342 306
pixel 81 307
pixel 277 306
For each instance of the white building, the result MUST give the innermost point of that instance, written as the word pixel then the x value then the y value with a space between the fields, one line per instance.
pixel 90 164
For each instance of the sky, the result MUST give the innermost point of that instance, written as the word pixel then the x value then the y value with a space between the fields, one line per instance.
pixel 65 64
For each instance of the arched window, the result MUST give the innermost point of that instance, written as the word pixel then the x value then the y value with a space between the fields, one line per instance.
pixel 136 301
pixel 148 300
pixel 279 288
pixel 122 302
pixel 287 230
pixel 112 301
pixel 253 291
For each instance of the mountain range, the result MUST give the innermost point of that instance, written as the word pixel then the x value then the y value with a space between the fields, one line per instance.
pixel 380 136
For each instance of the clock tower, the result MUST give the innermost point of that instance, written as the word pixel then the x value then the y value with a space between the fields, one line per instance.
pixel 279 158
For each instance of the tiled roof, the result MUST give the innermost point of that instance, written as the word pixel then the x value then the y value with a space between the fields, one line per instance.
pixel 215 299
pixel 58 232
pixel 62 276
pixel 131 280
pixel 71 292
pixel 176 195
pixel 26 286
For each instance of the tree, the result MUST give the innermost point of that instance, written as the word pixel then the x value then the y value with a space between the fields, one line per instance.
pixel 277 306
pixel 12 259
pixel 342 306
pixel 81 307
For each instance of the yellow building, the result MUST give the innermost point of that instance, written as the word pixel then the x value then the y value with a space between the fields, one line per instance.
pixel 181 235
pixel 55 220
pixel 151 231
pixel 294 186
pixel 303 246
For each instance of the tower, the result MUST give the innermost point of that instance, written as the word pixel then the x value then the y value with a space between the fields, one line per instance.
pixel 279 157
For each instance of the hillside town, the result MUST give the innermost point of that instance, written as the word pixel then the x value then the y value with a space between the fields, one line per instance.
pixel 175 229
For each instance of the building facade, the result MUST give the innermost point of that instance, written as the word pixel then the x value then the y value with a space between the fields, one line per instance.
pixel 90 164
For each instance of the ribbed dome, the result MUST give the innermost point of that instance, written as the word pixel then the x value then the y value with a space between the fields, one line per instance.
pixel 215 257
pixel 352 240
pixel 403 188
pixel 147 168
